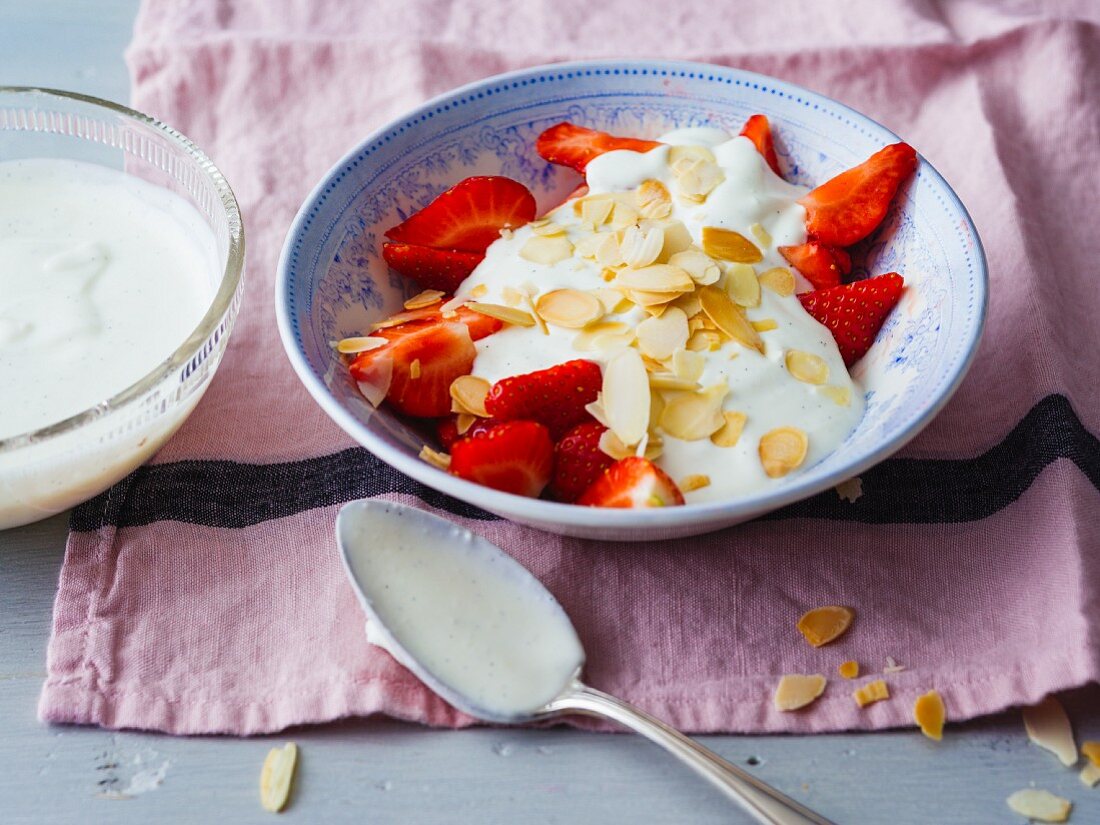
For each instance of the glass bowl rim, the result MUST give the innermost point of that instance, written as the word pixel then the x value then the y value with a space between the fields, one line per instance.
pixel 223 298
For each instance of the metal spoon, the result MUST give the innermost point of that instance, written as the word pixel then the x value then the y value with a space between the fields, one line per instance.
pixel 358 527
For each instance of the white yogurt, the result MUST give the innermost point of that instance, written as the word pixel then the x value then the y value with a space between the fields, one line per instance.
pixel 760 385
pixel 473 618
pixel 102 277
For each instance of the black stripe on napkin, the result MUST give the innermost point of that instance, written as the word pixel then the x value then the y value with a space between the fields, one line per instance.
pixel 897 491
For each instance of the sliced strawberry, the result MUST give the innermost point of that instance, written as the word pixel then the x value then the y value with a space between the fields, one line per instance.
pixel 578 461
pixel 854 312
pixel 632 482
pixel 441 269
pixel 574 146
pixel 398 325
pixel 759 132
pixel 555 397
pixel 516 457
pixel 847 208
pixel 468 216
pixel 822 265
pixel 447 429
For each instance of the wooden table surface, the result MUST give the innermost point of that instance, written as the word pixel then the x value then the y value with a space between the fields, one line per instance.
pixel 380 771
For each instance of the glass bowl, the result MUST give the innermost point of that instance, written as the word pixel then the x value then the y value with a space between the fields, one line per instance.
pixel 53 468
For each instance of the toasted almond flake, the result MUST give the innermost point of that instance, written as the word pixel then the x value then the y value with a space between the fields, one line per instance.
pixel 528 304
pixel 761 235
pixel 623 215
pixel 742 285
pixel 807 367
pixel 1090 749
pixel 693 416
pixel 841 396
pixel 578 203
pixel 595 409
pixel 394 320
pixel 1041 805
pixel 660 337
pixel 424 299
pixel 365 343
pixel 610 444
pixel 652 365
pixel 704 340
pixel 825 624
pixel 640 247
pixel 569 308
pixel 612 342
pixel 653 199
pixel 546 251
pixel 782 450
pixel 277 776
pixel 764 325
pixel 689 153
pixel 512 296
pixel 608 254
pixel 656 278
pixel 1048 726
pixel 1090 774
pixel 699 266
pixel 374 379
pixel 930 714
pixel 697 178
pixel 796 691
pixel 871 692
pixel 587 246
pixel 677 239
pixel 469 393
pixel 595 211
pixel 414 369
pixel 725 315
pixel 646 299
pixel 510 315
pixel 727 245
pixel 849 669
pixel 478 291
pixel 547 229
pixel 441 461
pixel 585 341
pixel 733 423
pixel 664 381
pixel 696 481
pixel 449 309
pixel 625 396
pixel 613 300
pixel 688 365
pixel 463 422
pixel 779 280
pixel 538 223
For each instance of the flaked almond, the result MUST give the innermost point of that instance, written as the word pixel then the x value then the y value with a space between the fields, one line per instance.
pixel 725 315
pixel 668 382
pixel 1041 805
pixel 588 338
pixel 660 278
pixel 1090 749
pixel 512 296
pixel 696 481
pixel 727 245
pixel 625 396
pixel 660 337
pixel 397 320
pixel 1090 775
pixel 546 251
pixel 608 254
pixel 509 315
pixel 779 280
pixel 569 308
pixel 441 461
pixel 578 203
pixel 764 325
pixel 929 713
pixel 699 266
pixel 450 308
pixel 849 669
pixel 796 691
pixel 623 215
pixel 733 423
pixel 595 211
pixel 463 422
pixel 653 199
pixel 825 624
pixel 364 343
pixel 697 178
pixel 610 444
pixel 613 300
pixel 677 239
pixel 871 692
pixel 546 229
pixel 676 154
pixel 424 299
pixel 704 340
pixel 586 246
pixel 468 393
pixel 841 396
pixel 649 300
pixel 688 365
pixel 640 247
pixel 1048 726
pixel 782 450
pixel 374 382
pixel 807 367
pixel 277 776
pixel 478 291
pixel 761 234
pixel 693 416
pixel 742 285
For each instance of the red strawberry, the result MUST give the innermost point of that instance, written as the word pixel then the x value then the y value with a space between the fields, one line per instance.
pixel 821 265
pixel 847 208
pixel 574 146
pixel 448 434
pixel 854 312
pixel 578 461
pixel 759 132
pixel 516 457
pixel 468 216
pixel 632 482
pixel 441 269
pixel 555 397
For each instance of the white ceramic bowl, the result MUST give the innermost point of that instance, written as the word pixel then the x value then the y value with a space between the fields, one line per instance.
pixel 51 469
pixel 332 282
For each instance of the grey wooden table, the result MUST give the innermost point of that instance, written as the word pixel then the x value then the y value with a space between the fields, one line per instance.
pixel 379 771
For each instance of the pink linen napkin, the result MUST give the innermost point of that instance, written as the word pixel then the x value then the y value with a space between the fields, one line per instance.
pixel 203 593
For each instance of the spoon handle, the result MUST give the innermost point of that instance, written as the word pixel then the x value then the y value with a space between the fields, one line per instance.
pixel 761 801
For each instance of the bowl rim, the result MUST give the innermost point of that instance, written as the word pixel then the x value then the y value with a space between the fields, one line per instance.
pixel 609 519
pixel 219 305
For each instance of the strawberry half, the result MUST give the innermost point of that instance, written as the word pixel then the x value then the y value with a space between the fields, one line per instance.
pixel 758 130
pixel 555 397
pixel 854 312
pixel 847 208
pixel 632 482
pixel 578 461
pixel 515 457
pixel 468 216
pixel 441 269
pixel 822 265
pixel 574 146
